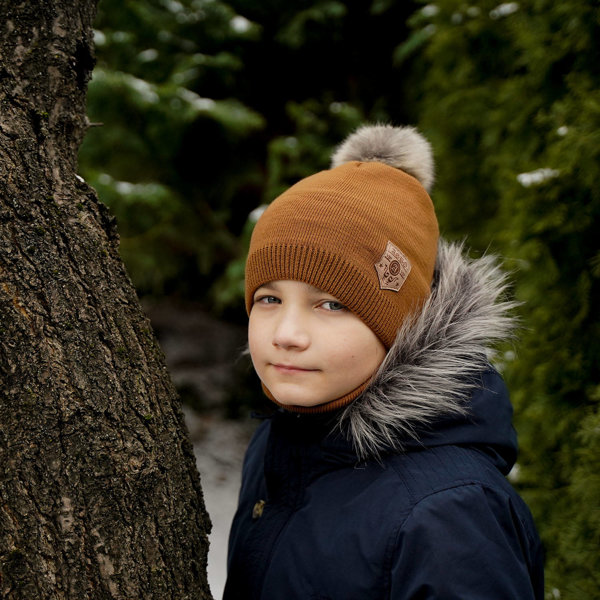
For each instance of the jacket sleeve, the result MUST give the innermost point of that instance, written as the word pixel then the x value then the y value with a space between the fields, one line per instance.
pixel 466 543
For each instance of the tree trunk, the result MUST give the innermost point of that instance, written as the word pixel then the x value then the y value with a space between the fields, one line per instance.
pixel 99 493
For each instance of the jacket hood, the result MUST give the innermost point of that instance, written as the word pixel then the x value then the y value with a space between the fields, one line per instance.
pixel 435 385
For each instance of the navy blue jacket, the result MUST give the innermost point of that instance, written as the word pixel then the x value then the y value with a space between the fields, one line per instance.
pixel 330 509
pixel 436 521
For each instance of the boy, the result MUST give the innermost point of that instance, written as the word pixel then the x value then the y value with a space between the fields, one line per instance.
pixel 383 473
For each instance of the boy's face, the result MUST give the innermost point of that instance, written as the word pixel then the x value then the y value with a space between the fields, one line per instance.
pixel 306 347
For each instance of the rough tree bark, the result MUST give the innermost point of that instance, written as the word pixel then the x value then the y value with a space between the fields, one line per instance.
pixel 99 493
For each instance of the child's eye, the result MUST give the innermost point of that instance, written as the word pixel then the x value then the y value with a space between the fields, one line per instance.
pixel 267 300
pixel 333 305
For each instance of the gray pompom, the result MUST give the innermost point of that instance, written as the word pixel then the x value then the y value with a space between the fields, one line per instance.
pixel 403 148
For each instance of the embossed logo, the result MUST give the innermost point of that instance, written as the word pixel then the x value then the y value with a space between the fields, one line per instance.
pixel 392 268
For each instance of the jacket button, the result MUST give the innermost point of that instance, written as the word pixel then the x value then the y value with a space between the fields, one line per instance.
pixel 257 511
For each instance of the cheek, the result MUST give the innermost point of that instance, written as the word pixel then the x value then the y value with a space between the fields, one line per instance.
pixel 347 356
pixel 255 337
pixel 361 354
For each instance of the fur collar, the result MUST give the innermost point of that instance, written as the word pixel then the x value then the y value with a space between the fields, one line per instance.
pixel 429 371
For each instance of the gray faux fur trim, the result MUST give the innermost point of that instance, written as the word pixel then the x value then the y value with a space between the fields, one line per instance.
pixel 426 373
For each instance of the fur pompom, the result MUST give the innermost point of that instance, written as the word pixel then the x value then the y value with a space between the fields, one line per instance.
pixel 403 148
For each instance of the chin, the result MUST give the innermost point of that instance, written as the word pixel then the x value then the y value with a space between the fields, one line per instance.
pixel 286 401
pixel 296 399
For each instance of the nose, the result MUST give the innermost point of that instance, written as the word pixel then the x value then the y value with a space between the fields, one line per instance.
pixel 291 332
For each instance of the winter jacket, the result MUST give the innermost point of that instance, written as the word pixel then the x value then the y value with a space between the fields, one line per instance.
pixel 402 494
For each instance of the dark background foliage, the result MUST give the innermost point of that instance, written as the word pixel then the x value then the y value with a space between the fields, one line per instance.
pixel 209 110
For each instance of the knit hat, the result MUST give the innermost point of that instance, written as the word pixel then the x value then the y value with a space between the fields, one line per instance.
pixel 364 231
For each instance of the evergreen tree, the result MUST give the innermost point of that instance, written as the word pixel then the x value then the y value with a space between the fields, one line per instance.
pixel 210 110
pixel 174 157
pixel 509 95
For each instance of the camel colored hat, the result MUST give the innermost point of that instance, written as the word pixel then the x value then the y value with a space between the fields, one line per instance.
pixel 364 231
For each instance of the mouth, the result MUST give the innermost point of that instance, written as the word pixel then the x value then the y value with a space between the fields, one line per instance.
pixel 291 369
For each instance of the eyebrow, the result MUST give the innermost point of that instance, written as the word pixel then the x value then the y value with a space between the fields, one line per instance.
pixel 273 285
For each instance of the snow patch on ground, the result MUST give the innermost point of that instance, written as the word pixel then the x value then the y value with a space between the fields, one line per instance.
pixel 219 446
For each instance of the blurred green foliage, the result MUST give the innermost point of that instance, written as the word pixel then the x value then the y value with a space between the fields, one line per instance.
pixel 210 110
pixel 510 97
pixel 174 163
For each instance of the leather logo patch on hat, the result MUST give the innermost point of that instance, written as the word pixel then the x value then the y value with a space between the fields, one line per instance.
pixel 392 268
